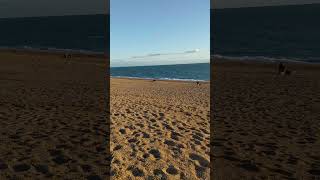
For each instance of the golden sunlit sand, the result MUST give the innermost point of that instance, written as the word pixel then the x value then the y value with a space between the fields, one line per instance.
pixel 159 129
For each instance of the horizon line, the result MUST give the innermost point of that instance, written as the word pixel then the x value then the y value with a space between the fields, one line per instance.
pixel 257 6
pixel 44 16
pixel 159 65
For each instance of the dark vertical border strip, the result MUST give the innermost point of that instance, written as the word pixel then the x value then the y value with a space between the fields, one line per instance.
pixel 211 92
pixel 107 86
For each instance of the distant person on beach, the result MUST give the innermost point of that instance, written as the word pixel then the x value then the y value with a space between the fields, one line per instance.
pixel 281 68
pixel 198 83
pixel 67 57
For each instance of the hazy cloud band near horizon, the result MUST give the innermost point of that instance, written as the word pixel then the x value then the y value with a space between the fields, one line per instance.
pixel 165 54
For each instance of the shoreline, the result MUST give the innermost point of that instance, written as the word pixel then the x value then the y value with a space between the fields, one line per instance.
pixel 261 65
pixel 166 80
pixel 262 59
pixel 48 51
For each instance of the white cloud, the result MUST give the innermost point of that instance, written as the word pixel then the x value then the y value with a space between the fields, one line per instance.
pixel 166 54
pixel 183 57
pixel 192 51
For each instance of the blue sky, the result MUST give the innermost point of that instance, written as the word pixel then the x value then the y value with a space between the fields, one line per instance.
pixel 154 32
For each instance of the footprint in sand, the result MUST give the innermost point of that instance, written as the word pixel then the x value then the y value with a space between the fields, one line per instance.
pixel 21 167
pixel 156 153
pixel 175 136
pixel 61 159
pixel 86 168
pixel 58 157
pixel 169 143
pixel 200 171
pixel 160 174
pixel 117 147
pixel 145 155
pixel 172 170
pixel 133 140
pixel 44 169
pixel 202 161
pixel 167 126
pixel 249 166
pixel 136 171
pixel 94 177
pixel 3 165
pixel 145 135
pixel 140 125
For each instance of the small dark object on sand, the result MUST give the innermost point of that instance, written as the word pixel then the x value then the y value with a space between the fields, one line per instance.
pixel 198 83
pixel 281 68
pixel 287 72
pixel 154 80
pixel 67 56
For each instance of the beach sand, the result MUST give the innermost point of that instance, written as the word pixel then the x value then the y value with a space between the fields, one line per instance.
pixel 53 121
pixel 159 130
pixel 52 116
pixel 265 125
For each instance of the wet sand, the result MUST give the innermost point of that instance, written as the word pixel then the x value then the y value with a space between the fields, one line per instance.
pixel 265 125
pixel 159 130
pixel 52 116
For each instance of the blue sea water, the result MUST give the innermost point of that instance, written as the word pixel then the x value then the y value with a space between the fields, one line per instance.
pixel 190 72
pixel 84 33
pixel 87 33
pixel 267 33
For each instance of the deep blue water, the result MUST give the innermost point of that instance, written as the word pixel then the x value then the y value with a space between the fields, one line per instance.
pixel 79 32
pixel 199 71
pixel 289 32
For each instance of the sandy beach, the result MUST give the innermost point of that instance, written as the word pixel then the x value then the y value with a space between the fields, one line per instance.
pixel 159 130
pixel 53 121
pixel 52 116
pixel 265 125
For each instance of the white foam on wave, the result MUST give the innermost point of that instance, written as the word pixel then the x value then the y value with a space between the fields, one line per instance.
pixel 167 79
pixel 268 59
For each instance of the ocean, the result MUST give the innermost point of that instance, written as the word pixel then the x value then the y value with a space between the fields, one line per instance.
pixel 81 33
pixel 267 33
pixel 187 72
pixel 84 34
